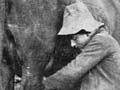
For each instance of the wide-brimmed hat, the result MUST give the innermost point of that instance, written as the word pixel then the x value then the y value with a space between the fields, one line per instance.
pixel 77 17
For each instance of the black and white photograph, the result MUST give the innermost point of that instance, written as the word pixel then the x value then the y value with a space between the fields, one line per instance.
pixel 59 44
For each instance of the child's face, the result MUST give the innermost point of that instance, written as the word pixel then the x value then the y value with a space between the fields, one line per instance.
pixel 79 40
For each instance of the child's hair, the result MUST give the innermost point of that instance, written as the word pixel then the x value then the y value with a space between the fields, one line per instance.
pixel 83 31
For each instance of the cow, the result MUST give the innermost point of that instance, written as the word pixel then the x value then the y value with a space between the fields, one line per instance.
pixel 34 25
pixel 34 31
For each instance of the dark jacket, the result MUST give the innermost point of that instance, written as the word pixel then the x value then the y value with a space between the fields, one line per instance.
pixel 96 68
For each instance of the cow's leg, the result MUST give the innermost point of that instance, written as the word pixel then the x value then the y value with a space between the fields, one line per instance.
pixel 6 78
pixel 6 81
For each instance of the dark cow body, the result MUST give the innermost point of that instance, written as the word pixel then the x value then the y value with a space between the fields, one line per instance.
pixel 6 73
pixel 33 26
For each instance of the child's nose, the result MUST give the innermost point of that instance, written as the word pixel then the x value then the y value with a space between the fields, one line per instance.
pixel 73 43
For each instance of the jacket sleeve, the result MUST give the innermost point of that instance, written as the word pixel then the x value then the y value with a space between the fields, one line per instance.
pixel 91 55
